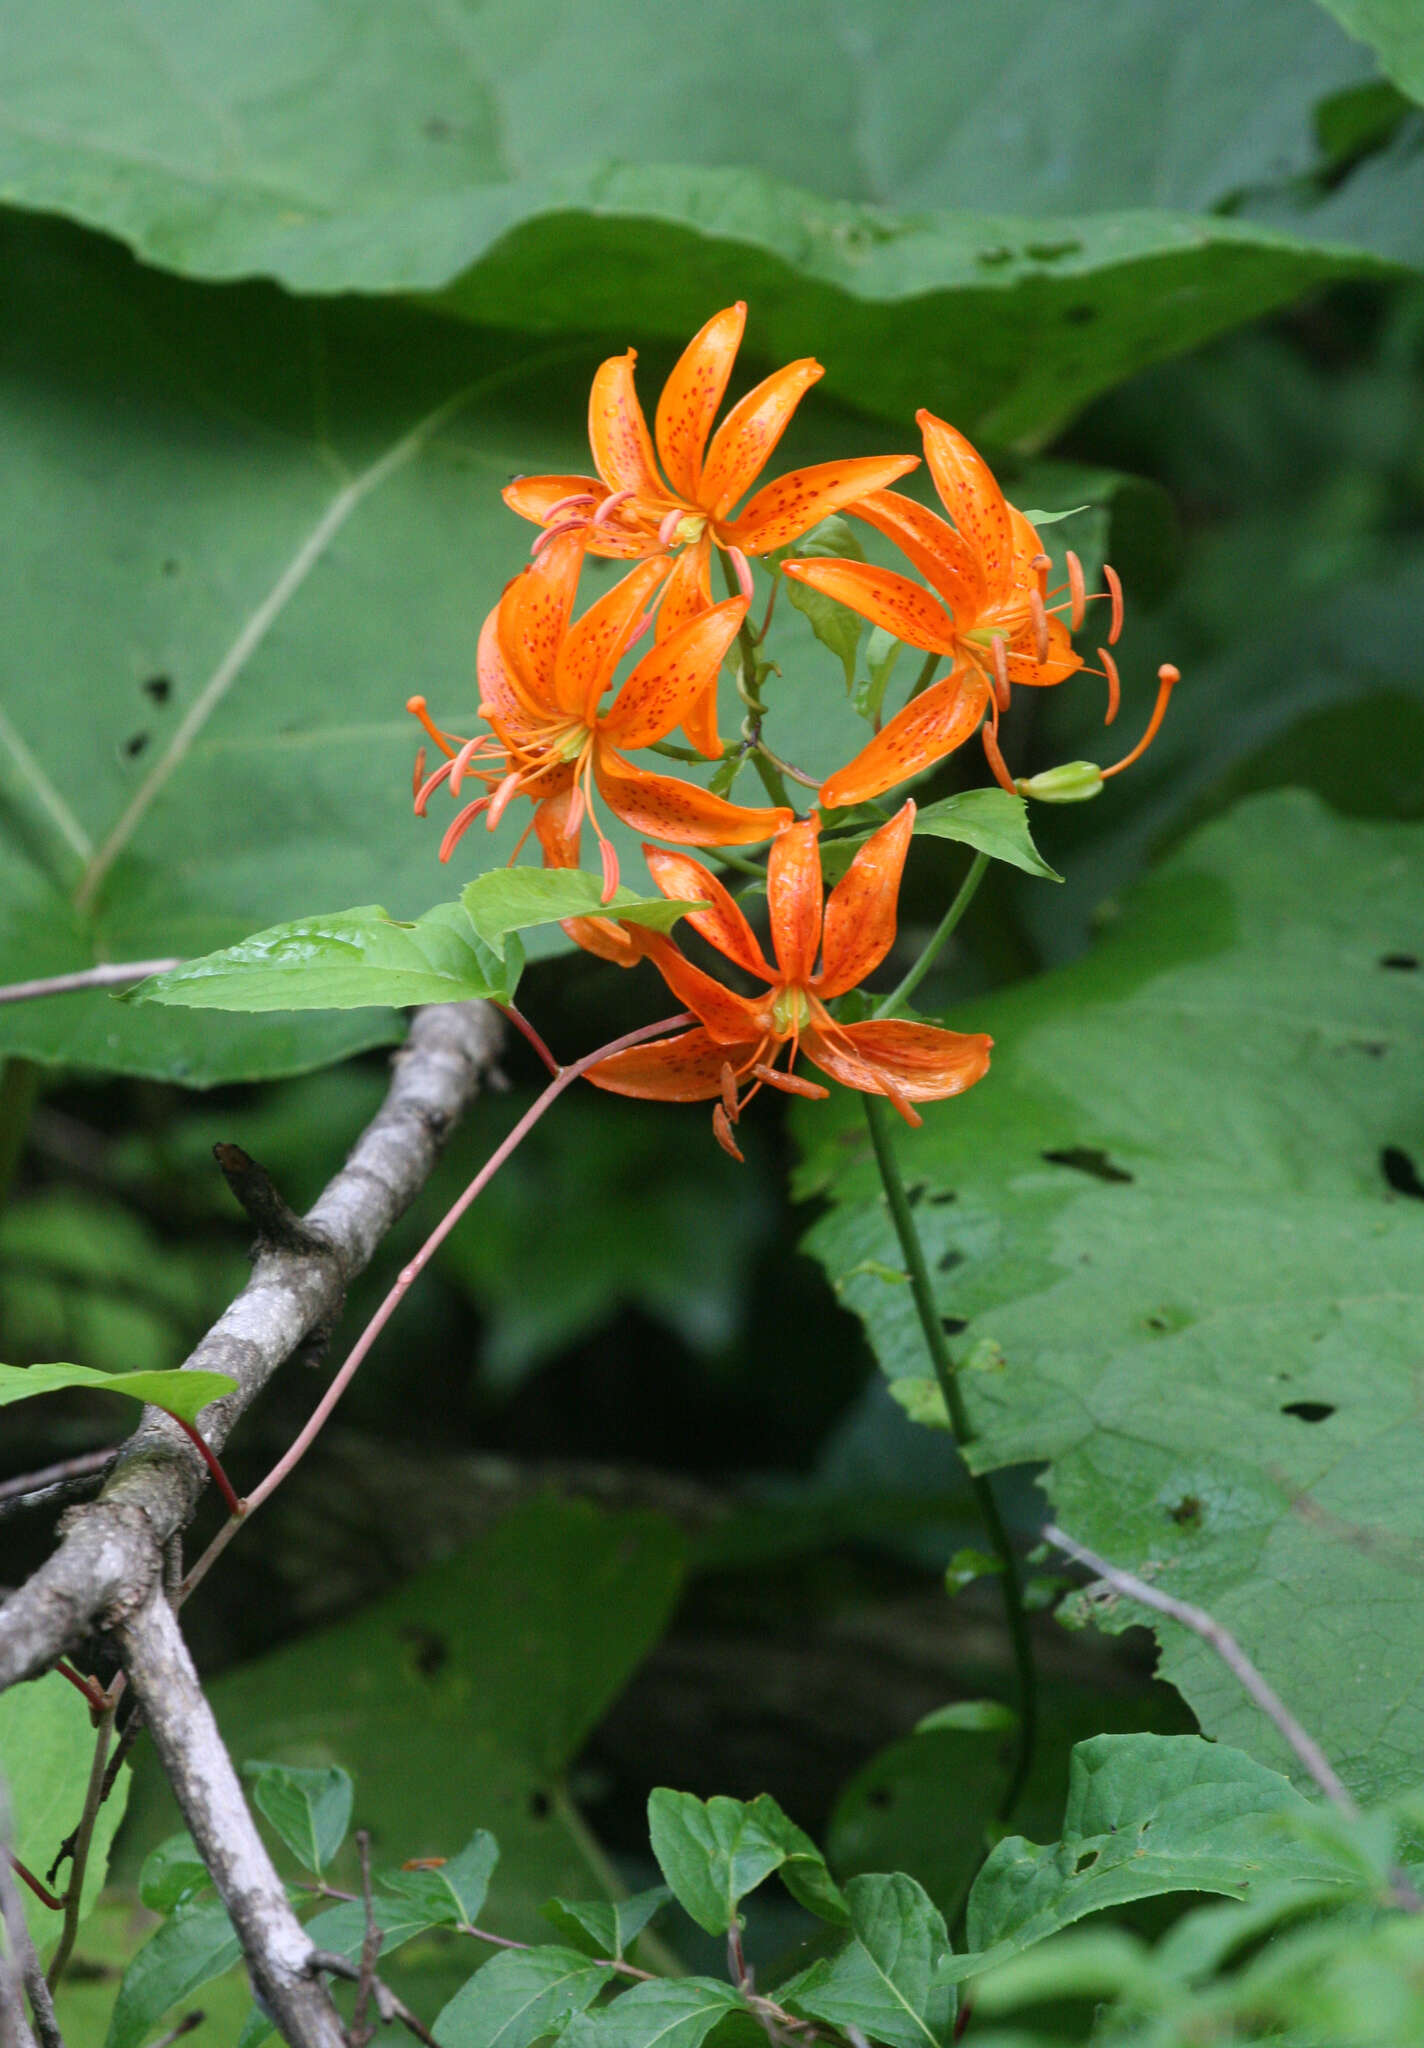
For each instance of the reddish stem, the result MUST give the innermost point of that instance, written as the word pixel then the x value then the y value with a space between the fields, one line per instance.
pixel 214 1465
pixel 41 1892
pixel 94 1693
pixel 521 1023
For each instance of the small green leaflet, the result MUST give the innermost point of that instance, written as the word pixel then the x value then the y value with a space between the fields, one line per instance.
pixel 181 1393
pixel 310 1809
pixel 670 2012
pixel 888 1980
pixel 453 1894
pixel 989 820
pixel 882 651
pixel 189 1949
pixel 713 1852
pixel 513 899
pixel 605 1927
pixel 171 1873
pixel 975 1717
pixel 519 1996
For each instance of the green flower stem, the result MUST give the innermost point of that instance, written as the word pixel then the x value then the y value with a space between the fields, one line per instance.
pixel 733 860
pixel 878 1117
pixel 906 988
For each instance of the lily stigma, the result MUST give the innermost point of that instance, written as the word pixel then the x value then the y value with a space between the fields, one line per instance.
pixel 543 675
pixel 673 490
pixel 989 610
pixel 734 1049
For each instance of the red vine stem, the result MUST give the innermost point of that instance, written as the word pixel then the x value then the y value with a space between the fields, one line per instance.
pixel 214 1464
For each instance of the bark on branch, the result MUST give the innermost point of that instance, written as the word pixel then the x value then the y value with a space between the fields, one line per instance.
pixel 111 1553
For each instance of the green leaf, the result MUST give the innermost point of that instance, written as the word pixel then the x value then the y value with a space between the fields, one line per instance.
pixel 882 651
pixel 342 1931
pixel 989 820
pixel 453 1894
pixel 310 1809
pixel 515 899
pixel 975 1717
pixel 172 1873
pixel 518 1997
pixel 835 625
pixel 1394 30
pixel 46 1752
pixel 348 959
pixel 713 1852
pixel 196 1944
pixel 1181 1212
pixel 1146 1814
pixel 888 1980
pixel 606 1927
pixel 180 1392
pixel 673 2012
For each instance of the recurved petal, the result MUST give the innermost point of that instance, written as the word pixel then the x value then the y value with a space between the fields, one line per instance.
pixel 920 1062
pixel 519 718
pixel 689 591
pixel 723 925
pixel 691 396
pixel 551 825
pixel 932 725
pixel 860 910
pixel 620 943
pixel 730 1018
pixel 790 506
pixel 883 596
pixel 742 445
pixel 618 433
pixel 532 497
pixel 687 1068
pixel 665 808
pixel 793 887
pixel 594 644
pixel 669 686
pixel 940 554
pixel 534 616
pixel 973 500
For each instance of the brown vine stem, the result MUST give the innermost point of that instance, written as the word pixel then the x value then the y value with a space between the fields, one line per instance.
pixel 83 1841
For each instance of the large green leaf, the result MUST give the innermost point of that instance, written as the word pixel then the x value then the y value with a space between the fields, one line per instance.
pixel 1005 201
pixel 1394 29
pixel 1184 1208
pixel 888 1980
pixel 46 1753
pixel 181 1393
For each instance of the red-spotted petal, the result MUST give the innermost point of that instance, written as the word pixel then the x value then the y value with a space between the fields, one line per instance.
pixel 793 887
pixel 691 396
pixel 932 725
pixel 534 616
pixel 618 433
pixel 519 719
pixel 668 686
pixel 743 444
pixel 620 943
pixel 532 497
pixel 860 910
pixel 790 506
pixel 560 846
pixel 596 643
pixel 942 556
pixel 665 808
pixel 723 925
pixel 883 596
pixel 919 1061
pixel 973 500
pixel 689 591
pixel 687 1068
pixel 730 1018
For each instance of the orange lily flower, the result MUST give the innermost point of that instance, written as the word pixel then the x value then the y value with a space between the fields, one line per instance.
pixel 542 675
pixel 739 1038
pixel 633 509
pixel 988 611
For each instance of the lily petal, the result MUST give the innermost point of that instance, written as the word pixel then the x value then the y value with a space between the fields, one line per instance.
pixel 687 1068
pixel 674 678
pixel 532 496
pixel 730 1018
pixel 919 1061
pixel 883 596
pixel 723 926
pixel 689 588
pixel 620 943
pixel 518 718
pixel 618 433
pixel 860 910
pixel 691 396
pixel 743 444
pixel 973 500
pixel 931 725
pixel 595 644
pixel 782 511
pixel 665 808
pixel 793 887
pixel 942 556
pixel 551 824
pixel 534 616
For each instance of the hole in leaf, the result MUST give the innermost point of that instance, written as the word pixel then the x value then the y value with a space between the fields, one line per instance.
pixel 1085 1862
pixel 1088 1159
pixel 942 1195
pixel 1310 1411
pixel 915 1192
pixel 135 745
pixel 1401 1173
pixel 539 1805
pixel 947 1262
pixel 953 1325
pixel 432 1652
pixel 1404 962
pixel 159 688
pixel 1187 1513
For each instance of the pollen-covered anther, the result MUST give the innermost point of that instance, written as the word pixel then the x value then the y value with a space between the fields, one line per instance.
pixel 608 855
pixel 553 533
pixel 499 803
pixel 743 569
pixel 729 1092
pixel 576 498
pixel 722 1132
pixel 789 1084
pixel 461 762
pixel 671 521
pixel 1114 684
pixel 1039 612
pixel 1114 584
pixel 578 804
pixel 460 825
pixel 610 505
pixel 1040 566
pixel 1078 590
pixel 1001 672
pixel 431 783
pixel 417 773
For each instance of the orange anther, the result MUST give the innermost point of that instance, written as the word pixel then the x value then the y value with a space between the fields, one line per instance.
pixel 1114 684
pixel 996 759
pixel 1114 584
pixel 1077 588
pixel 722 1132
pixel 1040 623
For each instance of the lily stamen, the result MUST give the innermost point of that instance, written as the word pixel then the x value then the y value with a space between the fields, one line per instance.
pixel 671 521
pixel 1114 684
pixel 553 532
pixel 1077 588
pixel 431 783
pixel 743 569
pixel 995 759
pixel 417 708
pixel 729 1092
pixel 499 803
pixel 1167 679
pixel 790 1084
pixel 609 506
pixel 460 825
pixel 1001 673
pixel 1040 623
pixel 722 1132
pixel 459 767
pixel 1110 577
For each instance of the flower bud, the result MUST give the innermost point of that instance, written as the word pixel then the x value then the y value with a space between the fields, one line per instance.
pixel 1073 783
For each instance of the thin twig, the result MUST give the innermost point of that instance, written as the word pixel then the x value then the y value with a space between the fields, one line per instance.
pixel 360 2032
pixel 27 1877
pixel 88 1465
pixel 83 1842
pixel 387 2004
pixel 112 974
pixel 1221 1640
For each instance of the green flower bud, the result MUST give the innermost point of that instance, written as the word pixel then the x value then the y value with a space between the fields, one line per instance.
pixel 1073 783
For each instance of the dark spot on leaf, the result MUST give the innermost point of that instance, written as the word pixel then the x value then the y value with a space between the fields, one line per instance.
pixel 953 1325
pixel 1375 1047
pixel 1401 1173
pixel 1405 962
pixel 998 254
pixel 915 1192
pixel 1187 1513
pixel 1080 316
pixel 1050 252
pixel 879 1797
pixel 1309 1411
pixel 540 1806
pixel 170 567
pixel 1156 1322
pixel 135 745
pixel 159 688
pixel 437 128
pixel 942 1195
pixel 432 1652
pixel 949 1260
pixel 1088 1159
pixel 1085 1862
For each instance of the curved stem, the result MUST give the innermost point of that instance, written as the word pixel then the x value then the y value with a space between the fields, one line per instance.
pixel 965 896
pixel 903 1218
pixel 83 1838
